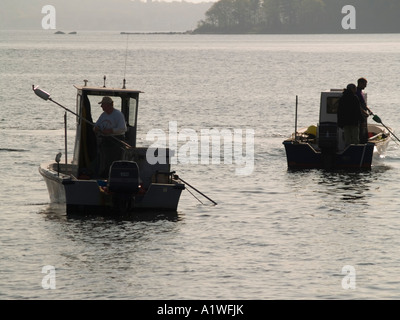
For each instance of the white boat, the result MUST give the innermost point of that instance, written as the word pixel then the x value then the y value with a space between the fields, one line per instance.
pixel 133 183
pixel 323 146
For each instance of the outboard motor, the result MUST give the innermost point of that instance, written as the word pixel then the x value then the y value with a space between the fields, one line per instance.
pixel 123 182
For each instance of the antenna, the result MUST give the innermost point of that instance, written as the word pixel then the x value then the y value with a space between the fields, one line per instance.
pixel 295 121
pixel 126 58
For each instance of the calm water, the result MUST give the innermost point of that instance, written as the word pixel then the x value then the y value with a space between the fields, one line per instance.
pixel 274 234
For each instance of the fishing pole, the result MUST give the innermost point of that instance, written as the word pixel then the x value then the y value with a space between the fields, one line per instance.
pixel 46 96
pixel 177 177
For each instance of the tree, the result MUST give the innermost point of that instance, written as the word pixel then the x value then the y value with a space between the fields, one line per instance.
pixel 271 14
pixel 219 16
pixel 311 15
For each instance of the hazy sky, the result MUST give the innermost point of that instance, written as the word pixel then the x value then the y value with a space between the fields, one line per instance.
pixel 121 15
pixel 192 1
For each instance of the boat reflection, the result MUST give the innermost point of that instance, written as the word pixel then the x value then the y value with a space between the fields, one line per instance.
pixel 337 185
pixel 54 211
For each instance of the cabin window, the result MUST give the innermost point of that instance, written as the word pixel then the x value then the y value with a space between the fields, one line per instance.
pixel 96 110
pixel 332 104
pixel 78 103
pixel 132 112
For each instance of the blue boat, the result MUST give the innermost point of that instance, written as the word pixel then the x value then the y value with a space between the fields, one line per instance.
pixel 323 146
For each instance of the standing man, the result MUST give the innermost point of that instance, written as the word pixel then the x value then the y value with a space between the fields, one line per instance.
pixel 110 125
pixel 349 115
pixel 361 85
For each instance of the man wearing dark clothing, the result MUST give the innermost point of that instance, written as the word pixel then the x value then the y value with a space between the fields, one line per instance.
pixel 349 115
pixel 361 85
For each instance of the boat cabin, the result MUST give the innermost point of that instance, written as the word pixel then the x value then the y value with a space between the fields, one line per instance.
pixel 86 143
pixel 329 134
pixel 87 107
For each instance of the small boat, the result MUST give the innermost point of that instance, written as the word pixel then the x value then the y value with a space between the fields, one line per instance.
pixel 133 183
pixel 323 146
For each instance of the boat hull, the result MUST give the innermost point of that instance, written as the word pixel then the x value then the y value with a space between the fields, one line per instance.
pixel 301 155
pixel 91 196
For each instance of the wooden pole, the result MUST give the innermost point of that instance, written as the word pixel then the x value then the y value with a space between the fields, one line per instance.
pixel 295 121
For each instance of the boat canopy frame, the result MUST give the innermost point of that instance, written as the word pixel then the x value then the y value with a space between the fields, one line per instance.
pixel 85 141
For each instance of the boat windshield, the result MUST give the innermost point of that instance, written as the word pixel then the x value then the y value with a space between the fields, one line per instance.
pixel 132 112
pixel 97 110
pixel 332 104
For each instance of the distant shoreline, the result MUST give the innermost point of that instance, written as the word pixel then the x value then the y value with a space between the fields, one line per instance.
pixel 161 32
pixel 190 32
pixel 255 33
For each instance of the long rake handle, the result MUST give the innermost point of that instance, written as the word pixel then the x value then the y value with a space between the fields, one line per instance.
pixel 377 119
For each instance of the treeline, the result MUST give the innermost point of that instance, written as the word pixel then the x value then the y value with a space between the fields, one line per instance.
pixel 300 16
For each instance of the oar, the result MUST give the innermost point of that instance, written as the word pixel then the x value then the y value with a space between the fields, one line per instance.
pixel 377 119
pixel 46 96
pixel 177 177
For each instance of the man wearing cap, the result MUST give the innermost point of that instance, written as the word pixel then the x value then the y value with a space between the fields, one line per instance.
pixel 110 123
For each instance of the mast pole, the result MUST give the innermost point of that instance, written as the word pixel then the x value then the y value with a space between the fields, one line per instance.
pixel 295 121
pixel 65 137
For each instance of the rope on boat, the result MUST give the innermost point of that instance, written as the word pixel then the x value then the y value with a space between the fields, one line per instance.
pixel 194 196
pixel 363 154
pixel 178 178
